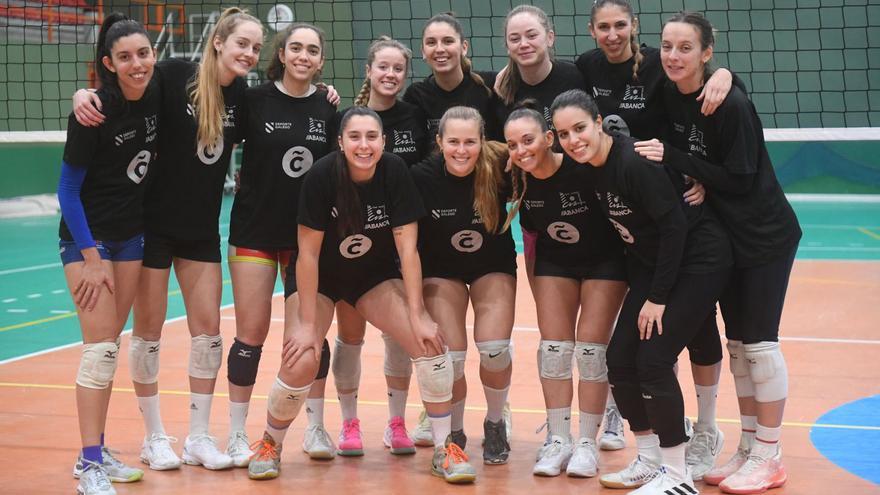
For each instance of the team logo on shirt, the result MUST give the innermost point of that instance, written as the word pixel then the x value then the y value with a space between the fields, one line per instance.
pixel 121 138
pixel 229 116
pixel 623 231
pixel 137 168
pixel 467 241
pixel 150 124
pixel 548 118
pixel 616 206
pixel 598 92
pixel 297 161
pixel 532 203
pixel 563 232
pixel 377 217
pixel 209 154
pixel 271 127
pixel 572 204
pixel 190 110
pixel 438 213
pixel 678 127
pixel 695 141
pixel 403 142
pixel 633 98
pixel 317 130
pixel 355 246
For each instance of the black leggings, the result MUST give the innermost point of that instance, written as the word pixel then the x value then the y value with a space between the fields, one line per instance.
pixel 640 371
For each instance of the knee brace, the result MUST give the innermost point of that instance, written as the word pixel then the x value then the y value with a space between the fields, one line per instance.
pixel 97 365
pixel 767 370
pixel 435 377
pixel 554 359
pixel 397 362
pixel 590 358
pixel 143 360
pixel 242 363
pixel 205 356
pixel 458 359
pixel 285 401
pixel 347 365
pixel 739 367
pixel 494 355
pixel 324 365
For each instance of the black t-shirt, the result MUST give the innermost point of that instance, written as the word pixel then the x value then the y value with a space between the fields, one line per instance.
pixel 388 200
pixel 186 189
pixel 638 102
pixel 452 237
pixel 284 136
pixel 562 77
pixel 434 101
pixel 117 155
pixel 643 200
pixel 724 149
pixel 406 133
pixel 563 210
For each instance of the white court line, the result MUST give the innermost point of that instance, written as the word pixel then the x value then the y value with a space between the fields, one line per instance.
pixel 58 291
pixel 16 311
pixel 34 296
pixel 784 339
pixel 10 300
pixel 29 268
pixel 60 311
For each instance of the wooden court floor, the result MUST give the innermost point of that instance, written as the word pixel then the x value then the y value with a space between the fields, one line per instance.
pixel 829 339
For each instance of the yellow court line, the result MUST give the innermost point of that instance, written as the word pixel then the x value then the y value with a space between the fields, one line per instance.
pixel 49 386
pixel 868 233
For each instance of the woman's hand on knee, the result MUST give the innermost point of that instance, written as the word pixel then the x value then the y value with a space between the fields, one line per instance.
pixel 94 276
pixel 650 314
pixel 428 335
pixel 298 344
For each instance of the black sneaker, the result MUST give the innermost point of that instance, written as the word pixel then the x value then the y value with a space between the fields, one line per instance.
pixel 496 448
pixel 458 438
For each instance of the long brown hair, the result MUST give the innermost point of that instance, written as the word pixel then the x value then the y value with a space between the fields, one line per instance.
pixel 363 97
pixel 205 91
pixel 275 71
pixel 512 79
pixel 488 176
pixel 625 6
pixel 526 109
pixel 466 66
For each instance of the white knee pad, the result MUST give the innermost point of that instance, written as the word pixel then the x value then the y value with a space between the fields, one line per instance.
pixel 739 368
pixel 205 356
pixel 458 359
pixel 590 358
pixel 143 360
pixel 768 371
pixel 397 361
pixel 97 365
pixel 554 359
pixel 494 355
pixel 435 377
pixel 347 365
pixel 285 401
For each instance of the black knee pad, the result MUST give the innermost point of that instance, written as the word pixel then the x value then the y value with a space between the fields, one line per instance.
pixel 324 367
pixel 242 363
pixel 705 348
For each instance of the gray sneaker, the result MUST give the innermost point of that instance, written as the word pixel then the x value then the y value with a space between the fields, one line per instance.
pixel 115 469
pixel 93 480
pixel 703 450
pixel 238 449
pixel 612 438
pixel 459 438
pixel 496 448
pixel 266 461
pixel 451 464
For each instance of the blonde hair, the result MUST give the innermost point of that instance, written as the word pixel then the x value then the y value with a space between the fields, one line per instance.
pixel 511 79
pixel 205 91
pixel 488 176
pixel 363 97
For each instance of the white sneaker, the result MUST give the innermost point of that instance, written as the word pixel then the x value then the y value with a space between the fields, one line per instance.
pixel 703 450
pixel 93 480
pixel 117 471
pixel 156 451
pixel 762 471
pixel 238 448
pixel 422 435
pixel 553 456
pixel 317 443
pixel 201 450
pixel 584 462
pixel 716 475
pixel 640 471
pixel 664 483
pixel 612 438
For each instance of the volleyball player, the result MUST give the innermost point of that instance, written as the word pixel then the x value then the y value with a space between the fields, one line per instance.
pixel 101 192
pixel 578 268
pixel 357 207
pixel 726 152
pixel 678 262
pixel 467 254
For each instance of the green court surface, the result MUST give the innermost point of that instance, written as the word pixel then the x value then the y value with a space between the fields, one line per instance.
pixel 37 314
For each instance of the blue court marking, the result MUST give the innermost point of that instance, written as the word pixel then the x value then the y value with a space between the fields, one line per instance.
pixel 856 450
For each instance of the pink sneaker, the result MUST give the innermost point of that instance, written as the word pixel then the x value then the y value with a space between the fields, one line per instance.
pixel 757 475
pixel 351 442
pixel 717 474
pixel 396 437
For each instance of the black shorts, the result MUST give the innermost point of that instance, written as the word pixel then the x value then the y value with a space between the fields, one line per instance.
pixel 340 290
pixel 611 269
pixel 751 305
pixel 468 274
pixel 160 250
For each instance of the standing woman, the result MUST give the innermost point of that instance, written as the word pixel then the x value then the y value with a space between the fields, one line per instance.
pixel 678 262
pixel 201 104
pixel 468 254
pixel 288 126
pixel 357 207
pixel 726 152
pixel 101 194
pixel 578 268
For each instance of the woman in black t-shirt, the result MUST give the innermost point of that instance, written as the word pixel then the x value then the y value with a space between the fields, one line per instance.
pixel 101 193
pixel 357 208
pixel 578 268
pixel 726 152
pixel 678 263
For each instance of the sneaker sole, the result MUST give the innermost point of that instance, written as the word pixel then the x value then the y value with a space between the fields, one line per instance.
pixel 263 476
pixel 612 445
pixel 618 484
pixel 495 462
pixel 713 480
pixel 116 479
pixel 747 491
pixel 581 474
pixel 320 455
pixel 546 474
pixel 403 450
pixel 211 467
pixel 455 479
pixel 156 467
pixel 350 452
pixel 423 443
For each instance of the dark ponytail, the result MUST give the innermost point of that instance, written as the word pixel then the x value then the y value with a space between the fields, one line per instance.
pixel 115 26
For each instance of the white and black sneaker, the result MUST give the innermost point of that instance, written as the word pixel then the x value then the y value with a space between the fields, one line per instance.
pixel 665 483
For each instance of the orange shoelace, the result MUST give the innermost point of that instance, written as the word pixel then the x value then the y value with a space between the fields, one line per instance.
pixel 263 450
pixel 454 452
